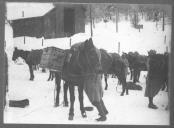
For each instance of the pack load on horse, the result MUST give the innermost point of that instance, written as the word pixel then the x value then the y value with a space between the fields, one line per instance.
pixel 81 61
pixel 157 76
pixel 31 58
pixel 52 58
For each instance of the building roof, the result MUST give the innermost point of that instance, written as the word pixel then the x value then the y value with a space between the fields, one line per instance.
pixel 15 10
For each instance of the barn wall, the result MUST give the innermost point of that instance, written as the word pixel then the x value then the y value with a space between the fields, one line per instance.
pixel 79 20
pixel 32 27
pixel 50 24
pixel 59 22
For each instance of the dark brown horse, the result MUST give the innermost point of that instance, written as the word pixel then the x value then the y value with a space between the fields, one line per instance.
pixel 81 60
pixel 137 63
pixel 31 58
pixel 113 64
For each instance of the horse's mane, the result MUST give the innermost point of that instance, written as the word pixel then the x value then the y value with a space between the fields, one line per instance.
pixel 110 61
pixel 77 46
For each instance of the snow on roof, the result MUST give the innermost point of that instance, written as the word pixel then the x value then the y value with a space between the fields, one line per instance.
pixel 15 10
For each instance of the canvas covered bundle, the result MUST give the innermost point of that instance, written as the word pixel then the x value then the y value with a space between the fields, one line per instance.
pixel 53 59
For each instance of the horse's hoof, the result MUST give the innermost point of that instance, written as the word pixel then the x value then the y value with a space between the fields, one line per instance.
pixel 84 115
pixel 56 104
pixel 70 117
pixel 122 94
pixel 65 104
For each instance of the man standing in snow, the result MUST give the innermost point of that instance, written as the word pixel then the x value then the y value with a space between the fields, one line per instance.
pixel 156 78
pixel 94 91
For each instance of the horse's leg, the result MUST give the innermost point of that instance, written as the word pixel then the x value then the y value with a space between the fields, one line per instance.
pixel 131 71
pixel 31 72
pixel 80 91
pixel 166 83
pixel 163 87
pixel 52 75
pixel 34 67
pixel 138 75
pixel 122 79
pixel 43 70
pixel 72 99
pixel 65 89
pixel 57 84
pixel 106 82
pixel 135 76
pixel 49 76
pixel 37 67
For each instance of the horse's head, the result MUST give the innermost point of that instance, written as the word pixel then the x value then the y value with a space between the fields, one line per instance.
pixel 88 56
pixel 151 52
pixel 124 55
pixel 16 54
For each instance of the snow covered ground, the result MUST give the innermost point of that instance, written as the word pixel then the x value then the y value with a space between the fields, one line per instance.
pixel 129 109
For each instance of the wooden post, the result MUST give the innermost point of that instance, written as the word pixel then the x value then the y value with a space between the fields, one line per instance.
pixel 24 26
pixel 119 48
pixel 42 42
pixel 167 49
pixel 163 21
pixel 165 39
pixel 70 42
pixel 24 39
pixel 91 21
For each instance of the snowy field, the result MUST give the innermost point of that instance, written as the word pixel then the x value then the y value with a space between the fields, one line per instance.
pixel 129 109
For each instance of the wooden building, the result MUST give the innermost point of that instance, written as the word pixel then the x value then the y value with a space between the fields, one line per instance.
pixel 62 21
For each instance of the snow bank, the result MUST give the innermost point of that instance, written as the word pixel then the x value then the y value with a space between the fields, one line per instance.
pixel 105 36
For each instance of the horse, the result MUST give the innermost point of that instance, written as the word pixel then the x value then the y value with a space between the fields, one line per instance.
pixel 81 60
pixel 112 63
pixel 137 63
pixel 31 58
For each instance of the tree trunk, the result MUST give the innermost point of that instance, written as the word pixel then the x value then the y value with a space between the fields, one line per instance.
pixel 117 18
pixel 163 27
pixel 142 14
pixel 91 21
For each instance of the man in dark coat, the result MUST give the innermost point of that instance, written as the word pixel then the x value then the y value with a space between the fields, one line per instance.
pixel 157 72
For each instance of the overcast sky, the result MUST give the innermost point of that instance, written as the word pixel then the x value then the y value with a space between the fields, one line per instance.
pixel 14 9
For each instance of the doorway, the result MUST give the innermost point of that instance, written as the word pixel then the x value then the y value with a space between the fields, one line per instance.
pixel 69 21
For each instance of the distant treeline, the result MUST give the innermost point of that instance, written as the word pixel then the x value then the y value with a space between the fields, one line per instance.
pixel 149 12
